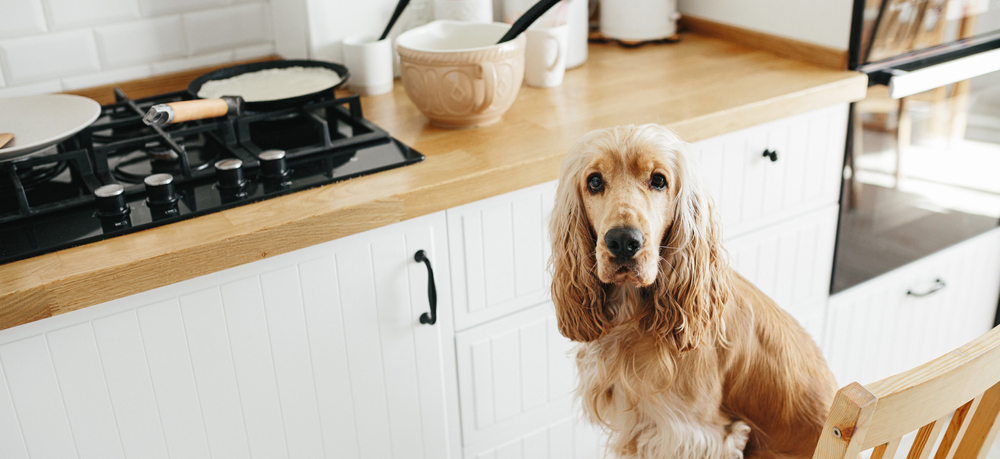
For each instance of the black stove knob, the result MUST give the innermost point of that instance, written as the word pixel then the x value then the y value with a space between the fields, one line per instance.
pixel 273 164
pixel 160 190
pixel 229 173
pixel 111 201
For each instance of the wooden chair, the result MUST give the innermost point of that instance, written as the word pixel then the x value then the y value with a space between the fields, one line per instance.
pixel 965 382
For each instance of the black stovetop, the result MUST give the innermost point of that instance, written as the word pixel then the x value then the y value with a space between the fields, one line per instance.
pixel 47 200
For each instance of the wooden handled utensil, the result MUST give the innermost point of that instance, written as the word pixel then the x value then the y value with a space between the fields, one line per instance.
pixel 187 110
pixel 4 138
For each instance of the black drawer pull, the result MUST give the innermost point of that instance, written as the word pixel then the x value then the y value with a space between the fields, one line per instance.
pixel 432 296
pixel 771 154
pixel 938 285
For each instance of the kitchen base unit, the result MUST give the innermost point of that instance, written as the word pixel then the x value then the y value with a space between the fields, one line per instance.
pixel 321 352
pixel 314 353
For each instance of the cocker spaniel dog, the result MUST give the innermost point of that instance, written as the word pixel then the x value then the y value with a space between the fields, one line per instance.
pixel 681 357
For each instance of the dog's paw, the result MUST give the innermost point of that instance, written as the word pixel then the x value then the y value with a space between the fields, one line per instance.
pixel 739 435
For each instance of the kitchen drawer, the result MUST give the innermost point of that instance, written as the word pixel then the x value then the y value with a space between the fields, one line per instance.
pixel 515 376
pixel 789 261
pixel 499 249
pixel 879 328
pixel 752 191
pixel 569 437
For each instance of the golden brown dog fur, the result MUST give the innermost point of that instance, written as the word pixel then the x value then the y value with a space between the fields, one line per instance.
pixel 681 357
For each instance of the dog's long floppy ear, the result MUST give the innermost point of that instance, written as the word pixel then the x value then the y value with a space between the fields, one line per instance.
pixel 694 282
pixel 576 291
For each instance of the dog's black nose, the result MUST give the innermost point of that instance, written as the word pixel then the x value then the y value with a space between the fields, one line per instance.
pixel 623 242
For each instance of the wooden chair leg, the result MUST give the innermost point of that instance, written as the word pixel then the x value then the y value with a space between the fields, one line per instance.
pixel 975 444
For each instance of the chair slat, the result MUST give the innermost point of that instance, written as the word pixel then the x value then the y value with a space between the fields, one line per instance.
pixel 957 428
pixel 926 437
pixel 886 450
pixel 845 427
pixel 983 427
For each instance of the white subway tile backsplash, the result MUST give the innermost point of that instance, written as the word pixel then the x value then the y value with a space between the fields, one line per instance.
pixel 161 7
pixel 180 65
pixel 65 14
pixel 253 52
pixel 142 42
pixel 108 77
pixel 54 55
pixel 54 45
pixel 228 27
pixel 45 87
pixel 21 17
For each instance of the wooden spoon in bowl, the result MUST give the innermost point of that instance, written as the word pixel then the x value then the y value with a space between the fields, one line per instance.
pixel 4 138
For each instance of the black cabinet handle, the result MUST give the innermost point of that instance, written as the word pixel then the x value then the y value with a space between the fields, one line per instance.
pixel 938 285
pixel 771 154
pixel 432 296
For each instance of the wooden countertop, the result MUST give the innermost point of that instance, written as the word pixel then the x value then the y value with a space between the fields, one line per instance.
pixel 700 87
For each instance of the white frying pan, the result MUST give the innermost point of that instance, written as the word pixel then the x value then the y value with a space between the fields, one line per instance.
pixel 38 122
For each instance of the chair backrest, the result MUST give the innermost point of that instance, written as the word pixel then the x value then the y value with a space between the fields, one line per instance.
pixel 965 382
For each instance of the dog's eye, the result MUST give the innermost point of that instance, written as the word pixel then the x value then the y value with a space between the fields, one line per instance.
pixel 658 182
pixel 595 183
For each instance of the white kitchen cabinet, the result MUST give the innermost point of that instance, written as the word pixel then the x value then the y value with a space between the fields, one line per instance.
pixel 790 262
pixel 753 192
pixel 516 378
pixel 499 252
pixel 314 353
pixel 569 437
pixel 882 327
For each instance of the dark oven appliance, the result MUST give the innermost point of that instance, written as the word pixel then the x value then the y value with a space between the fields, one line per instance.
pixel 119 176
pixel 923 157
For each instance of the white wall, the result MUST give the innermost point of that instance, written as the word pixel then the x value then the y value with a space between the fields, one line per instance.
pixel 57 45
pixel 314 28
pixel 823 22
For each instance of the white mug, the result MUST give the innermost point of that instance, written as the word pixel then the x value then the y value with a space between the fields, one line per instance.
pixel 545 56
pixel 370 62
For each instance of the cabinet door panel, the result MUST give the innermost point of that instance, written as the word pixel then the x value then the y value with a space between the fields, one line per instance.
pixel 568 437
pixel 791 261
pixel 214 372
pixel 119 342
pixel 499 250
pixel 314 353
pixel 515 374
pixel 88 404
pixel 293 370
pixel 173 379
pixel 36 401
pixel 328 346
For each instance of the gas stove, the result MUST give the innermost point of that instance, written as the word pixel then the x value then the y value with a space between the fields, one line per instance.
pixel 119 176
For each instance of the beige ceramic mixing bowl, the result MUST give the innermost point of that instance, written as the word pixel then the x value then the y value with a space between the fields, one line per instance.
pixel 457 75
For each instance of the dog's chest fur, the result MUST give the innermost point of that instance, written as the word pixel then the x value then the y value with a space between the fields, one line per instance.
pixel 632 387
